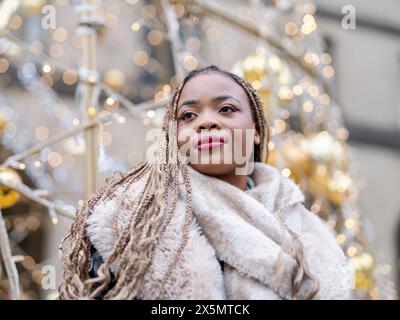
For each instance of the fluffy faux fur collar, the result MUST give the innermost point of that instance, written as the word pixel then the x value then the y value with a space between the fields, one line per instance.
pixel 257 233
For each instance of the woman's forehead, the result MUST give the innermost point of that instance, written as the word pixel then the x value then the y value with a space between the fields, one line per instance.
pixel 206 86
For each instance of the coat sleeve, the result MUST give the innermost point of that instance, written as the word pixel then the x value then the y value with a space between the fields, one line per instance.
pixel 324 257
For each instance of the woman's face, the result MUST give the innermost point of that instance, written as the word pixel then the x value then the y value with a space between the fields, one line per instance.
pixel 216 129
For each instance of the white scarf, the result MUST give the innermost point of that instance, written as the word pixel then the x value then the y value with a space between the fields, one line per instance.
pixel 261 234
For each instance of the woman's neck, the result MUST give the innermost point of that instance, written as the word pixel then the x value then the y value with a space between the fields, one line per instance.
pixel 239 181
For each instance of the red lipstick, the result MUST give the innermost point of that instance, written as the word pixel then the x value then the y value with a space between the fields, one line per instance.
pixel 210 142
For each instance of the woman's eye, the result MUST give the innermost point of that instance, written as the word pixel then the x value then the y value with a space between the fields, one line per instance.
pixel 227 108
pixel 186 115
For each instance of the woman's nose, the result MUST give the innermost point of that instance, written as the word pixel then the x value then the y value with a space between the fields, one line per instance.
pixel 207 125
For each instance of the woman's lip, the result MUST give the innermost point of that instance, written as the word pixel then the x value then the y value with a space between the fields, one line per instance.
pixel 210 139
pixel 210 145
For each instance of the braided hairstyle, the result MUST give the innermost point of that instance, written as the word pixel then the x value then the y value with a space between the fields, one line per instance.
pixel 149 214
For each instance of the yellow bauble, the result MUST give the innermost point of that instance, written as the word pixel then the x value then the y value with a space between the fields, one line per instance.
pixel 294 158
pixel 336 188
pixel 259 69
pixel 363 266
pixel 114 78
pixel 323 147
pixel 342 162
pixel 297 158
pixel 254 68
pixel 2 122
pixel 318 183
pixel 8 197
pixel 366 262
pixel 32 7
pixel 254 71
pixel 339 187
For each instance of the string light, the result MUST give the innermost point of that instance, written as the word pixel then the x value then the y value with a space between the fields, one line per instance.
pixel 135 26
pixel 140 58
pixel 150 113
pixel 286 172
pixel 341 238
pixel 328 71
pixel 15 22
pixel 69 77
pixel 351 251
pixel 46 68
pixel 291 28
pixel 308 106
pixel 60 34
pixel 4 65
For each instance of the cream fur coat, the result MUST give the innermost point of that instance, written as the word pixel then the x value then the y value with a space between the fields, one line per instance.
pixel 252 231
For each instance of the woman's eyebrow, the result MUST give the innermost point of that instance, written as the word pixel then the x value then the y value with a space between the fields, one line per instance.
pixel 188 102
pixel 225 97
pixel 219 98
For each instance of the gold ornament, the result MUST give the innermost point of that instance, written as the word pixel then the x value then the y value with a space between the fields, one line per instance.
pixel 363 265
pixel 255 72
pixel 8 196
pixel 258 69
pixel 323 147
pixel 295 158
pixel 32 7
pixel 2 121
pixel 339 187
pixel 336 187
pixel 298 160
pixel 114 78
pixel 342 162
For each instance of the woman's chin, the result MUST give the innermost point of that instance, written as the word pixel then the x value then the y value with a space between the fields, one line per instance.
pixel 213 169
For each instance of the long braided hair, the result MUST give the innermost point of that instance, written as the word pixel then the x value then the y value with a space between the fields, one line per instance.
pixel 149 214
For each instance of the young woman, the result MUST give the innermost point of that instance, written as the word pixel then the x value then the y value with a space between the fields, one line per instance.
pixel 206 218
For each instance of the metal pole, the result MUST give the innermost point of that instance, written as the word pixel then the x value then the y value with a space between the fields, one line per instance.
pixel 88 89
pixel 9 261
pixel 174 37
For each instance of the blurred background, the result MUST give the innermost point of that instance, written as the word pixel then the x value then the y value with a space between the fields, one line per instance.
pixel 84 84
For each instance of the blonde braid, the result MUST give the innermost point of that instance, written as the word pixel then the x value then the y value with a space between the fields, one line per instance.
pixel 136 243
pixel 261 153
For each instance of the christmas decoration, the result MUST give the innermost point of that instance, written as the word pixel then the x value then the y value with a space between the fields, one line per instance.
pixel 288 66
pixel 8 196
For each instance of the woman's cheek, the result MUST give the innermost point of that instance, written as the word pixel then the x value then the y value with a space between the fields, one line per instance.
pixel 186 138
pixel 243 141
